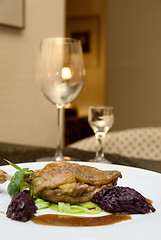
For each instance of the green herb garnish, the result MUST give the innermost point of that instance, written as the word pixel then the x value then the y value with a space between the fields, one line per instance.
pixel 17 181
pixel 12 164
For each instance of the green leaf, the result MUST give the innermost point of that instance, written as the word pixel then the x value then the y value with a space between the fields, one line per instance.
pixel 12 164
pixel 16 183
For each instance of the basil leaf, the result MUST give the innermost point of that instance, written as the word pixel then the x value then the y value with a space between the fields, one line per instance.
pixel 16 183
pixel 12 164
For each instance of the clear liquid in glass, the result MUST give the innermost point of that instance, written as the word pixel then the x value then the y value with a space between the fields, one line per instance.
pixel 102 125
pixel 101 120
pixel 62 93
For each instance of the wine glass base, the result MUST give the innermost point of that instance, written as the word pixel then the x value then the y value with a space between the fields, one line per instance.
pixel 56 159
pixel 99 160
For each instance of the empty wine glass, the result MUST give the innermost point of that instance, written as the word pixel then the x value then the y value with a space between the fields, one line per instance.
pixel 60 75
pixel 100 119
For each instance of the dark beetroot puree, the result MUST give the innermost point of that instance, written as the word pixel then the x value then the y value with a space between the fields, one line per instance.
pixel 22 207
pixel 122 200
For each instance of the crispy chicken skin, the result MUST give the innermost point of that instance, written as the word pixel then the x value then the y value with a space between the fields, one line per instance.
pixel 71 182
pixel 3 176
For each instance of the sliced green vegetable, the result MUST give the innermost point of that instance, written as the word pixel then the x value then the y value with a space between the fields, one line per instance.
pixel 87 207
pixel 54 207
pixel 17 182
pixel 67 208
pixel 91 207
pixel 41 204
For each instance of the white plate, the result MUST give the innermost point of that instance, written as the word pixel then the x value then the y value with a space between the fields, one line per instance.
pixel 139 227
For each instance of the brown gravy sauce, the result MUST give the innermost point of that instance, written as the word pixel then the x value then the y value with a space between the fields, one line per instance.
pixel 72 221
pixel 149 201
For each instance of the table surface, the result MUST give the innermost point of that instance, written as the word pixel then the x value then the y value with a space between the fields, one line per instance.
pixel 21 153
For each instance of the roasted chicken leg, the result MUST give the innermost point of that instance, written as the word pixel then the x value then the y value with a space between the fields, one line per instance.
pixel 70 182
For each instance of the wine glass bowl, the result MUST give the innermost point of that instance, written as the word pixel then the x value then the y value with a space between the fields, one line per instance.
pixel 60 75
pixel 60 69
pixel 101 119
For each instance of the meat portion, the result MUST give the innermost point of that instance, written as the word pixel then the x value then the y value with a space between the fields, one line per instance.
pixel 4 176
pixel 71 182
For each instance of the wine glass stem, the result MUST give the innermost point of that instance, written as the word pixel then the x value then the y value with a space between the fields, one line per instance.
pixel 58 153
pixel 99 153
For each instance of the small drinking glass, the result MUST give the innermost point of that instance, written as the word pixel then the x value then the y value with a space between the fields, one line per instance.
pixel 101 119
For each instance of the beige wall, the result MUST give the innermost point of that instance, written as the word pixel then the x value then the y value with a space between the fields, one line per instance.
pixel 134 62
pixel 93 92
pixel 25 116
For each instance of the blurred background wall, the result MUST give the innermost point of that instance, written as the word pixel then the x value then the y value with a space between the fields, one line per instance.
pixel 125 71
pixel 90 16
pixel 133 62
pixel 128 71
pixel 25 116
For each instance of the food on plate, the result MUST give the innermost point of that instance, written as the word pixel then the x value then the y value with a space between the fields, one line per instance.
pixel 74 221
pixel 68 188
pixel 17 181
pixel 70 182
pixel 22 207
pixel 4 176
pixel 122 200
pixel 87 207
